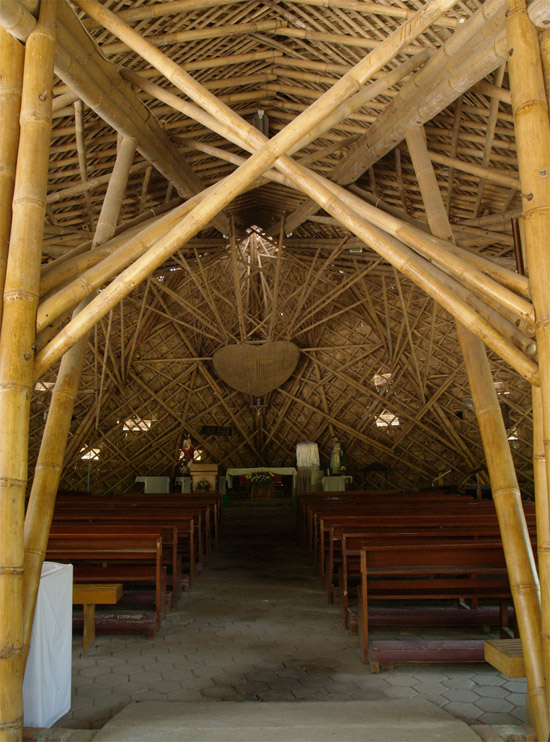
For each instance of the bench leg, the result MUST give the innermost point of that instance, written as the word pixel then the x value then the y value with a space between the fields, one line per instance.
pixel 89 627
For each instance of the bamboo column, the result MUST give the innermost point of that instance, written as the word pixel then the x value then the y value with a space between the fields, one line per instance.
pixel 531 120
pixel 54 439
pixel 506 495
pixel 11 63
pixel 543 530
pixel 16 353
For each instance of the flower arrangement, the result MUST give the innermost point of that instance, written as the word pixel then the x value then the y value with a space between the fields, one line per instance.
pixel 203 485
pixel 259 478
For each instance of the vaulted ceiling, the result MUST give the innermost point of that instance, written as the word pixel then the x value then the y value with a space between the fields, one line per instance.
pixel 380 365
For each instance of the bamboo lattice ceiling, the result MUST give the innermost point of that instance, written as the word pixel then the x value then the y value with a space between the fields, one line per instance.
pixel 289 273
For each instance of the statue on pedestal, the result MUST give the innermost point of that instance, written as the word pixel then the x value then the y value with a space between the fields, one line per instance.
pixel 336 456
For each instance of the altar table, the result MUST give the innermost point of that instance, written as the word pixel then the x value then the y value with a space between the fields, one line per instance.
pixel 285 471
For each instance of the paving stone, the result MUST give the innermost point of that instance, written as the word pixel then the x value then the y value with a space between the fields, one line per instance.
pixel 147 677
pixel 427 688
pixel 93 691
pixel 493 719
pixel 516 686
pixel 129 687
pixel 459 695
pixel 401 680
pixel 498 705
pixel 463 710
pixel 482 678
pixel 429 675
pixel 94 671
pixel 492 691
pixel 464 681
pixel 400 692
pixel 517 699
pixel 213 692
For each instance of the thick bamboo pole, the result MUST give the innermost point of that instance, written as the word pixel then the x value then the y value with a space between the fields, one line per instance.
pixel 542 506
pixel 16 353
pixel 531 120
pixel 506 495
pixel 11 64
pixel 49 464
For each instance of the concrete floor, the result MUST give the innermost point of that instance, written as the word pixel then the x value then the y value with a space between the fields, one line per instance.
pixel 256 627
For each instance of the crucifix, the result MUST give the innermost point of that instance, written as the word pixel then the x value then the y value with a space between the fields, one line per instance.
pixel 259 407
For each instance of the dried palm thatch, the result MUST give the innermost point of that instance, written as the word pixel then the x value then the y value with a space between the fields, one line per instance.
pixel 236 229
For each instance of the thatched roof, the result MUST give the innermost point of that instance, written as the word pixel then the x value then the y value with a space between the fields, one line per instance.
pixel 380 365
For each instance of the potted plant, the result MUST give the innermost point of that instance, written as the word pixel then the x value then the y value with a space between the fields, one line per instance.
pixel 203 485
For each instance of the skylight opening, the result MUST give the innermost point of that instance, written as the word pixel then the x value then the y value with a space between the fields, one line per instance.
pixel 137 424
pixel 386 419
pixel 90 453
pixel 381 380
pixel 44 386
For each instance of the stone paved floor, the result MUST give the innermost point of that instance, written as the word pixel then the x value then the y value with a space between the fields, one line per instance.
pixel 256 627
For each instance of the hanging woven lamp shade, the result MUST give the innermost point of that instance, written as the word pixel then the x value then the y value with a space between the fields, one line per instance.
pixel 256 369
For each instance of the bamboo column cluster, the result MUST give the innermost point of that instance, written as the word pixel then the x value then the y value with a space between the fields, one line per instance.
pixel 16 356
pixel 54 439
pixel 506 495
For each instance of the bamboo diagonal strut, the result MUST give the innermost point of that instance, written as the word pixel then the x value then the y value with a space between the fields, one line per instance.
pixel 16 353
pixel 49 464
pixel 531 121
pixel 223 192
pixel 11 64
pixel 506 495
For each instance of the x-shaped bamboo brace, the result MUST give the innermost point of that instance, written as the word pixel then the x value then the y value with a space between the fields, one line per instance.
pixel 269 152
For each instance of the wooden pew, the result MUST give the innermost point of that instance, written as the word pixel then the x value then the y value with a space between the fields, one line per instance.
pixel 112 558
pixel 183 522
pixel 168 534
pixel 346 559
pixel 428 572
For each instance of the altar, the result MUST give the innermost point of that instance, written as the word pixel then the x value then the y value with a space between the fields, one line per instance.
pixel 285 471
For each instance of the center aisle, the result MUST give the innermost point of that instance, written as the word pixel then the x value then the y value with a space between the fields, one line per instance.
pixel 256 627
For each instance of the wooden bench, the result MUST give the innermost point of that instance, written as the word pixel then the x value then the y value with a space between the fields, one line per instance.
pixel 89 596
pixel 429 572
pixel 109 558
pixel 183 522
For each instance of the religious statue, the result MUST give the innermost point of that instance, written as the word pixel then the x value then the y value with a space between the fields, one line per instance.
pixel 336 456
pixel 188 450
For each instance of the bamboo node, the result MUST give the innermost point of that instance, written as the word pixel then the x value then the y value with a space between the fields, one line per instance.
pixel 11 571
pixel 10 651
